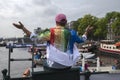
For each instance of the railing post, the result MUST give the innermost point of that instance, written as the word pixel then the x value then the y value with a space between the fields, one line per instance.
pixel 33 58
pixel 98 63
pixel 9 56
pixel 83 64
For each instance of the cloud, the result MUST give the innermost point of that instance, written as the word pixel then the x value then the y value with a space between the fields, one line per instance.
pixel 42 2
pixel 41 13
pixel 78 8
pixel 33 13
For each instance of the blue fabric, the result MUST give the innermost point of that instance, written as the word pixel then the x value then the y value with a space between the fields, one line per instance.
pixel 74 38
pixel 37 56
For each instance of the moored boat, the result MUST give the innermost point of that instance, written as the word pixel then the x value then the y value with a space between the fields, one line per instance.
pixel 86 50
pixel 109 46
pixel 86 54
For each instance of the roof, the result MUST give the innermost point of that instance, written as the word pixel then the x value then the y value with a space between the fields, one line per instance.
pixel 117 44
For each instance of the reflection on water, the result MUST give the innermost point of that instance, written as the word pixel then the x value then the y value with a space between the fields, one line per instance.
pixel 17 67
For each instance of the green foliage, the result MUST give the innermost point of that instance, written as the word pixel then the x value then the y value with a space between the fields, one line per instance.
pixel 42 31
pixel 100 25
pixel 101 29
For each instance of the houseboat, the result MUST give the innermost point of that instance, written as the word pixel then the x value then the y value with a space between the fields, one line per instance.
pixel 110 46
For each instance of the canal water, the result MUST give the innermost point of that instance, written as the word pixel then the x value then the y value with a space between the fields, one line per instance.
pixel 17 67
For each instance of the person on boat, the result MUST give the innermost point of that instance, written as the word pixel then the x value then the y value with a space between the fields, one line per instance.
pixel 61 38
pixel 37 55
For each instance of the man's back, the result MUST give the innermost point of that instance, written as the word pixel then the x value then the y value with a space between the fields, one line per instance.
pixel 61 38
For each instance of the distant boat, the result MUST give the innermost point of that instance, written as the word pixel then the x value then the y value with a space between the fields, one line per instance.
pixel 85 53
pixel 2 44
pixel 88 55
pixel 110 46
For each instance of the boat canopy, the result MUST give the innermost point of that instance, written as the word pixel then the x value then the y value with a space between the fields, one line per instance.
pixel 108 41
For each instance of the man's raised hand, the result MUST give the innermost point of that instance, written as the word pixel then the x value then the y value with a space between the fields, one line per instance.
pixel 19 25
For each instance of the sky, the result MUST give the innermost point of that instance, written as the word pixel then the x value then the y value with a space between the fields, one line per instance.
pixel 41 13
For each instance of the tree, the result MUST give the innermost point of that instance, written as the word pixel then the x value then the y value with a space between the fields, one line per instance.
pixel 84 22
pixel 100 25
pixel 114 19
pixel 101 29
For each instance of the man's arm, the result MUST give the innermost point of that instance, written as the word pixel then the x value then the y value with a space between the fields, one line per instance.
pixel 78 39
pixel 87 30
pixel 28 33
pixel 21 26
pixel 43 36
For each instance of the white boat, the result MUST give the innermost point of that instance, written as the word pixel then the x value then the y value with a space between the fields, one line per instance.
pixel 110 46
pixel 84 52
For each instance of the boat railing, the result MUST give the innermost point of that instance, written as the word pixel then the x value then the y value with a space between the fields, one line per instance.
pixel 11 47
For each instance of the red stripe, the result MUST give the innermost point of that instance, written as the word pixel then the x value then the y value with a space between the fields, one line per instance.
pixel 110 51
pixel 52 37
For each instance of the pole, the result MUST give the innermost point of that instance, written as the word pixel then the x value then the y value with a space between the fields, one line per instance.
pixel 98 63
pixel 83 64
pixel 9 57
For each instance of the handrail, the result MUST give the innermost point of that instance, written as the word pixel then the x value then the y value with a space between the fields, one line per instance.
pixel 25 45
pixel 29 59
pixel 11 46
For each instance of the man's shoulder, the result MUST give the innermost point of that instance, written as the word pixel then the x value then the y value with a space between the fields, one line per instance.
pixel 73 31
